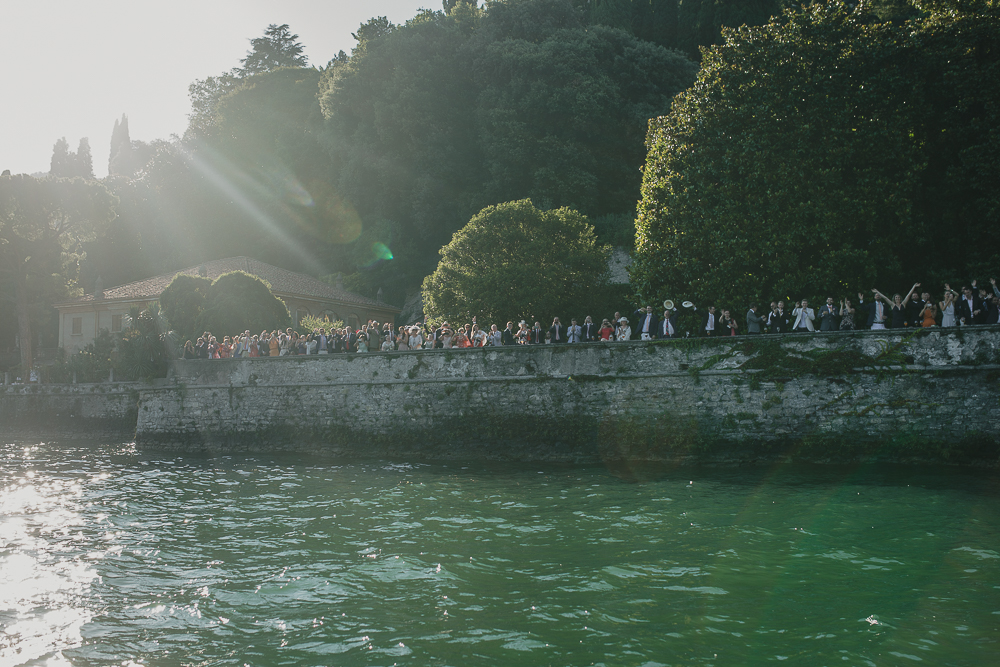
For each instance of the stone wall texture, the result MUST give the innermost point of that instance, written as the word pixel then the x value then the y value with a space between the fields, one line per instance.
pixel 924 396
pixel 70 411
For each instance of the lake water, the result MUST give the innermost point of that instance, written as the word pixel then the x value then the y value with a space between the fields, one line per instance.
pixel 109 557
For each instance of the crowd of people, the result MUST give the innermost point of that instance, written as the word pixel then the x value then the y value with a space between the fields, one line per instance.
pixel 973 305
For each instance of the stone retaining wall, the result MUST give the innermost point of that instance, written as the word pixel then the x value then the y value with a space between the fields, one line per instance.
pixel 904 396
pixel 107 411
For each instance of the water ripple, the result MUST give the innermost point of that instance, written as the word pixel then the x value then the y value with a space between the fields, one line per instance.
pixel 109 557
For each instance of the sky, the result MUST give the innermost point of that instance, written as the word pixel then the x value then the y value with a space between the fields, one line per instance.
pixel 70 68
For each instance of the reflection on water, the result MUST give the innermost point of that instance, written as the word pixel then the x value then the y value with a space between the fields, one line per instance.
pixel 109 558
pixel 45 575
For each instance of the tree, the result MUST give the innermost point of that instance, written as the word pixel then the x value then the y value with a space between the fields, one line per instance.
pixel 183 303
pixel 684 25
pixel 145 348
pixel 61 164
pixel 39 217
pixel 562 117
pixel 120 161
pixel 277 48
pixel 84 160
pixel 205 95
pixel 238 301
pixel 67 164
pixel 432 121
pixel 515 260
pixel 827 152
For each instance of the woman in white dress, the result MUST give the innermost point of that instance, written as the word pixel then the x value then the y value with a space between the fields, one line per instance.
pixel 402 340
pixel 624 330
pixel 948 306
pixel 416 340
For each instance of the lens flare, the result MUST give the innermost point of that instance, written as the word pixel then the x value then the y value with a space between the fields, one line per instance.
pixel 381 251
pixel 244 191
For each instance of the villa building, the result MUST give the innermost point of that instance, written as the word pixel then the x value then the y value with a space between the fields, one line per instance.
pixel 81 319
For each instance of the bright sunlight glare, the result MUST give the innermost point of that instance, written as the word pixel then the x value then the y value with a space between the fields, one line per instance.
pixel 72 68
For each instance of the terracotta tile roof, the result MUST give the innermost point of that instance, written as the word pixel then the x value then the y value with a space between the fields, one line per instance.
pixel 283 283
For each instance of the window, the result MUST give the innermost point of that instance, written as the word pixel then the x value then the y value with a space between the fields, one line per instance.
pixel 116 323
pixel 77 326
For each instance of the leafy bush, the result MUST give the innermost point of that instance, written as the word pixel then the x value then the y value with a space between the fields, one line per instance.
pixel 238 301
pixel 514 261
pixel 91 364
pixel 310 322
pixel 183 303
pixel 145 348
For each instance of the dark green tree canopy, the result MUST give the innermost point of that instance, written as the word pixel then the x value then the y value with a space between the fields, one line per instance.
pixel 452 112
pixel 183 303
pixel 420 127
pixel 238 301
pixel 825 152
pixel 515 261
pixel 689 25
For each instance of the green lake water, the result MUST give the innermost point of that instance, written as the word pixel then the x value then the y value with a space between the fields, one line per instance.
pixel 109 557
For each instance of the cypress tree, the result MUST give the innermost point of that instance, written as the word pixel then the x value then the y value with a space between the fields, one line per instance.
pixel 60 164
pixel 84 162
pixel 120 159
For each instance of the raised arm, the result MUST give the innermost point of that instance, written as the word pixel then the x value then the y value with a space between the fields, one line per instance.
pixel 912 290
pixel 882 297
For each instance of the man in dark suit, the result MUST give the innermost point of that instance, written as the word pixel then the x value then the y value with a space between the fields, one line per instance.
pixel 668 325
pixel 557 332
pixel 874 313
pixel 645 324
pixel 507 337
pixel 984 297
pixel 709 323
pixel 970 308
pixel 828 315
pixel 536 335
pixel 589 332
pixel 777 319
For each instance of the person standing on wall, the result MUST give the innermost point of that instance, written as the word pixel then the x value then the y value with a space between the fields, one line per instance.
pixel 507 336
pixel 573 333
pixel 755 323
pixel 709 323
pixel 828 315
pixel 668 325
pixel 645 323
pixel 777 319
pixel 557 332
pixel 804 317
pixel 537 335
